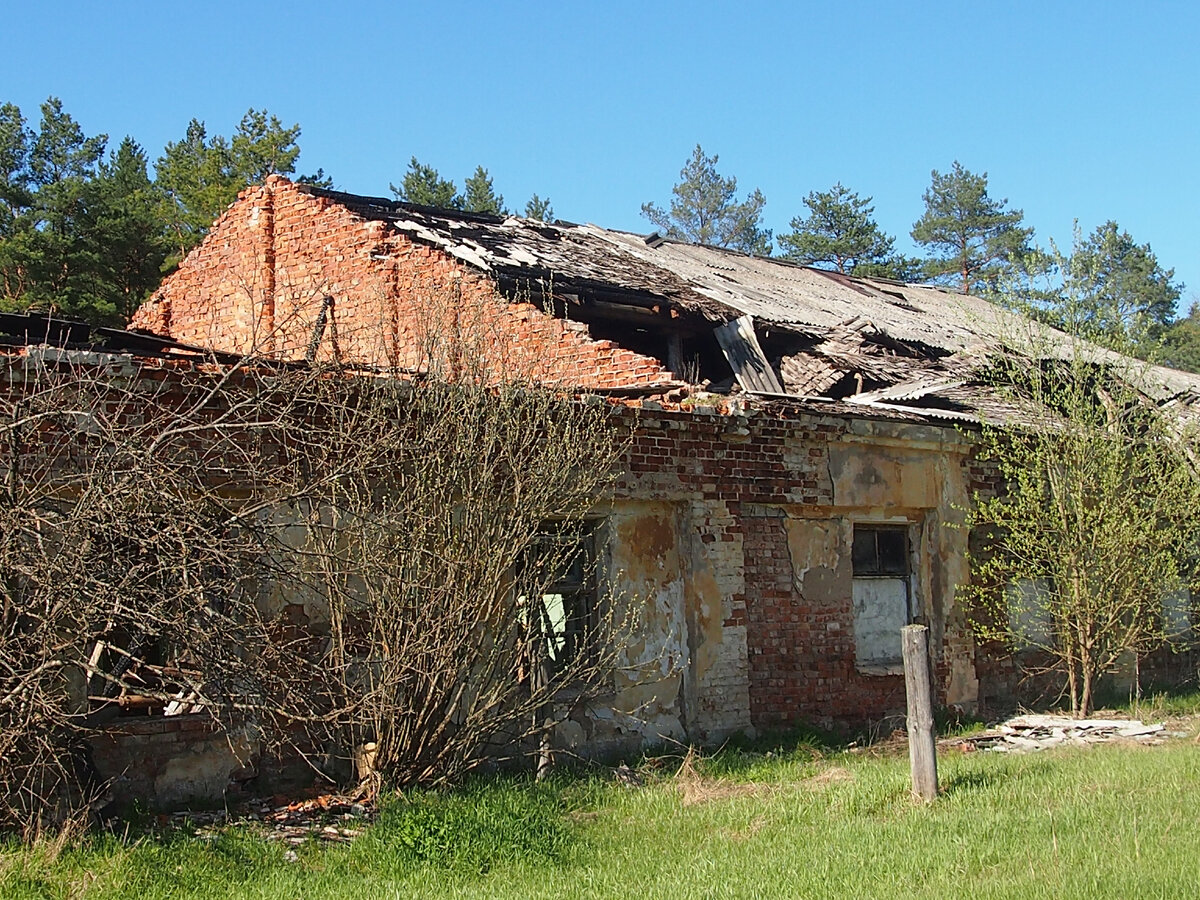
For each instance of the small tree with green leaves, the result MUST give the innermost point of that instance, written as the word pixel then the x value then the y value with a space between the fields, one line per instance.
pixel 1096 527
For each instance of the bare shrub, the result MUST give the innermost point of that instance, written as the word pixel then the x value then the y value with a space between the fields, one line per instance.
pixel 429 553
pixel 367 566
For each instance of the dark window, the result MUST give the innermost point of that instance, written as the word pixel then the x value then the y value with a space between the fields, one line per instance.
pixel 880 550
pixel 562 577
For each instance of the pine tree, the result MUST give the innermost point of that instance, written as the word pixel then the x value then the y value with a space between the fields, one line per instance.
pixel 200 176
pixel 539 208
pixel 839 233
pixel 16 198
pixel 50 255
pixel 1179 342
pixel 704 210
pixel 480 197
pixel 897 267
pixel 196 180
pixel 128 226
pixel 1120 293
pixel 261 146
pixel 424 186
pixel 973 240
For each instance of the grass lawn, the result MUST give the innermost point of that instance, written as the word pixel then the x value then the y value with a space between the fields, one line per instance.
pixel 1106 821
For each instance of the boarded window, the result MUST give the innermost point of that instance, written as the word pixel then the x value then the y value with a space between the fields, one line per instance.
pixel 882 606
pixel 1177 615
pixel 1029 602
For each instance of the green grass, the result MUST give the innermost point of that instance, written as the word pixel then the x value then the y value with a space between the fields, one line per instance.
pixel 1154 706
pixel 788 819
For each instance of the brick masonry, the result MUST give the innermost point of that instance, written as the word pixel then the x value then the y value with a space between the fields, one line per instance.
pixel 732 522
pixel 173 760
pixel 732 525
pixel 258 283
pixel 735 480
pixel 757 489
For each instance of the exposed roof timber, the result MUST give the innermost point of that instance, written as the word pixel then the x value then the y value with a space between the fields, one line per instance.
pixel 936 336
pixel 576 257
pixel 39 328
pixel 749 363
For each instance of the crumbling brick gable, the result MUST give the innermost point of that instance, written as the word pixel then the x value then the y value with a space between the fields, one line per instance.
pixel 259 282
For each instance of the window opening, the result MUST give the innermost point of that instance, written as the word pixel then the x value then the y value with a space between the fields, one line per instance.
pixel 882 595
pixel 560 620
pixel 880 551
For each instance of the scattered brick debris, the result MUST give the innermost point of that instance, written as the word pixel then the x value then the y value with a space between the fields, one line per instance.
pixel 331 818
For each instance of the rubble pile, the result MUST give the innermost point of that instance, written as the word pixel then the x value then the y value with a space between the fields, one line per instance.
pixel 1025 734
pixel 331 818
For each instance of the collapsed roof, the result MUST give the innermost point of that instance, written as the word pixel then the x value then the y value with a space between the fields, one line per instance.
pixel 783 329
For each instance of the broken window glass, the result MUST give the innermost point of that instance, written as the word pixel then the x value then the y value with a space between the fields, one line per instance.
pixel 560 570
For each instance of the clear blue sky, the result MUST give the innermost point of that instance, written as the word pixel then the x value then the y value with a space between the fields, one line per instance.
pixel 1075 109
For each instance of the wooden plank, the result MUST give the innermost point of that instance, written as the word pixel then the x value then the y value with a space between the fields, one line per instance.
pixel 922 750
pixel 746 358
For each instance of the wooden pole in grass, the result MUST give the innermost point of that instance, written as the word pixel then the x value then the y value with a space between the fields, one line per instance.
pixel 922 751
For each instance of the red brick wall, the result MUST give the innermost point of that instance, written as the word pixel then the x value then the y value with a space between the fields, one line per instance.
pixel 258 280
pixel 800 668
pixel 134 755
pixel 752 467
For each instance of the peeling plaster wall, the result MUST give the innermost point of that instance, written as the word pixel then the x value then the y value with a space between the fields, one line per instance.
pixel 717 699
pixel 672 566
pixel 645 573
pixel 730 532
pixel 766 509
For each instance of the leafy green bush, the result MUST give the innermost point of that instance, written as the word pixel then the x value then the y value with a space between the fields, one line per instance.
pixel 476 828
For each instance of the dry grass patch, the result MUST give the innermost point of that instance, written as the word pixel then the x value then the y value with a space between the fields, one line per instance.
pixel 695 787
pixel 739 835
pixel 832 775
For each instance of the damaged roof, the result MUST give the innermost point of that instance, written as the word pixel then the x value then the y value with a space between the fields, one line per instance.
pixel 869 342
pixel 35 328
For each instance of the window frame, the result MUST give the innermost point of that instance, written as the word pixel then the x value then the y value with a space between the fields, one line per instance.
pixel 884 566
pixel 579 606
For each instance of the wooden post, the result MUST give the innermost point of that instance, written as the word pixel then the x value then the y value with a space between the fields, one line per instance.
pixel 922 751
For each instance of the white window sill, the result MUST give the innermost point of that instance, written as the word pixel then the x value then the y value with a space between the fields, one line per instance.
pixel 880 668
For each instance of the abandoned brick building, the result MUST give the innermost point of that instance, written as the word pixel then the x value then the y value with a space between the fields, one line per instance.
pixel 797 472
pixel 802 452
